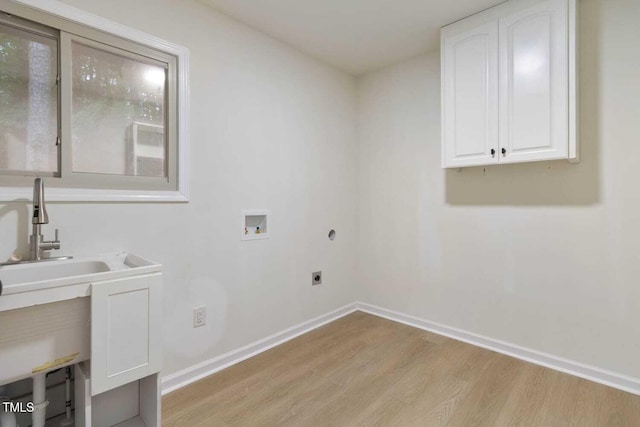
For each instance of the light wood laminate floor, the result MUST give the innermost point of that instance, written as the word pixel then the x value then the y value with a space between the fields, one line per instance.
pixel 362 370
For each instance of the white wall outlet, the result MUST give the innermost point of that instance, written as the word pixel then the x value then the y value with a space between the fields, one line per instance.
pixel 199 316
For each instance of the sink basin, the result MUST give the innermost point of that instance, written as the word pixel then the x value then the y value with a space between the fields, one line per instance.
pixel 37 272
pixel 36 283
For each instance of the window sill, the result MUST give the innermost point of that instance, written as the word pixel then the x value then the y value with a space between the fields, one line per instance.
pixel 22 194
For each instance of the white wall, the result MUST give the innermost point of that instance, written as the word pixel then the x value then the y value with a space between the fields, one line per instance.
pixel 544 255
pixel 271 128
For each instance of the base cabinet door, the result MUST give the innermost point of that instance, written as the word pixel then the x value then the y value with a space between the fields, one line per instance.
pixel 126 331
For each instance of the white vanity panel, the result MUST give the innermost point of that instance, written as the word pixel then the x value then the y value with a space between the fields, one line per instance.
pixel 126 331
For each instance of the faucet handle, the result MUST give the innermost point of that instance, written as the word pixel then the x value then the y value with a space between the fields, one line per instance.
pixel 56 243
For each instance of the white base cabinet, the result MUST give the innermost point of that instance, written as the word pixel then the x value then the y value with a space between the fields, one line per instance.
pixel 508 85
pixel 120 384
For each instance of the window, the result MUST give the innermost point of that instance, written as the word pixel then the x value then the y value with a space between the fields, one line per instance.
pixel 90 110
pixel 28 100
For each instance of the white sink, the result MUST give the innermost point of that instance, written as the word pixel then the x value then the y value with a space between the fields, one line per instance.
pixel 38 272
pixel 35 283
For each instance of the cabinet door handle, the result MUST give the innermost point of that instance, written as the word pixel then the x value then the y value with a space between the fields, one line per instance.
pixel 493 152
pixel 504 152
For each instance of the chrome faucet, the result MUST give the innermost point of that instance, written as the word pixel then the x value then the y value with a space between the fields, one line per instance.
pixel 37 244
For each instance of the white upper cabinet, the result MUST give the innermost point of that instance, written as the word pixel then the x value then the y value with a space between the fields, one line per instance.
pixel 508 84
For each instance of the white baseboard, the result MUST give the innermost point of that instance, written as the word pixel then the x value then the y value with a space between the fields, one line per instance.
pixel 204 369
pixel 201 370
pixel 591 373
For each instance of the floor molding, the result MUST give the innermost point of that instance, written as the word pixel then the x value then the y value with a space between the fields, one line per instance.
pixel 591 373
pixel 204 369
pixel 201 370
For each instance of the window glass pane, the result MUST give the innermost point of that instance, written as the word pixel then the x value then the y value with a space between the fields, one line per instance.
pixel 28 101
pixel 118 113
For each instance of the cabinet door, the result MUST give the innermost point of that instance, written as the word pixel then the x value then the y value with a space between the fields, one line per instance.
pixel 534 85
pixel 470 94
pixel 126 331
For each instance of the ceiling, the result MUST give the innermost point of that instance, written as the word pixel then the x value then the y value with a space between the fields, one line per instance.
pixel 356 36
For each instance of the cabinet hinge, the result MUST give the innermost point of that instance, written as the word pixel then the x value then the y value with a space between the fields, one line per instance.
pixel 58 141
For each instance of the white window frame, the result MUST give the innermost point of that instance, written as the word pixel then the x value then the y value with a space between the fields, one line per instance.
pixel 181 194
